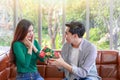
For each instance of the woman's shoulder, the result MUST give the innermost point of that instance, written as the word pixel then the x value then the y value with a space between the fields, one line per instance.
pixel 36 42
pixel 17 43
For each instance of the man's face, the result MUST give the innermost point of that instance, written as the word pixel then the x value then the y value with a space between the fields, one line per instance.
pixel 69 37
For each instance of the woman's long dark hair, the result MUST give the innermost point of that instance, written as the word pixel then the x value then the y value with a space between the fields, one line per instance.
pixel 20 33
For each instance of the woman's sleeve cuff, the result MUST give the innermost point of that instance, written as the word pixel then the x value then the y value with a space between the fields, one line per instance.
pixel 38 52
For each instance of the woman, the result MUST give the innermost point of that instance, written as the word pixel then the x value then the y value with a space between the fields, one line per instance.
pixel 25 51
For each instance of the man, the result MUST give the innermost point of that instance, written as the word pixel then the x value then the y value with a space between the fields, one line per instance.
pixel 78 56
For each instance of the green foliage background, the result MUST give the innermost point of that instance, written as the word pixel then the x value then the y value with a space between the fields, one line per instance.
pixel 75 10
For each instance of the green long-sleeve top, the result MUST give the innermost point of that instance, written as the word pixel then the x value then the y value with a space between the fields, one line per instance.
pixel 24 61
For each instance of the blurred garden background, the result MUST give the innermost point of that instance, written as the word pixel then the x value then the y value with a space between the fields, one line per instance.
pixel 101 18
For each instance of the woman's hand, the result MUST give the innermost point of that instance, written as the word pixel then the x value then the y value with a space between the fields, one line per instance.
pixel 28 44
pixel 33 46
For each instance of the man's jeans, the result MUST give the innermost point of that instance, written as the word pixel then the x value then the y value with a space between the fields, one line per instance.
pixel 83 79
pixel 78 79
pixel 29 76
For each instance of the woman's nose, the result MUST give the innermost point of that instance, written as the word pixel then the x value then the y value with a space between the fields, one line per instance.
pixel 31 33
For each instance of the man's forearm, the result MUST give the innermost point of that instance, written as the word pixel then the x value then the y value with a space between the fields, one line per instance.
pixel 67 66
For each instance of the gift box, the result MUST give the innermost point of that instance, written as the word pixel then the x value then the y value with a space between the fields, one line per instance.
pixel 47 53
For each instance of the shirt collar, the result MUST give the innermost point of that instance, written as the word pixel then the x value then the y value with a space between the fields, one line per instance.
pixel 81 44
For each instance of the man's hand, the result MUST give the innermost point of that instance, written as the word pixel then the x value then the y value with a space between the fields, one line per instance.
pixel 60 63
pixel 57 62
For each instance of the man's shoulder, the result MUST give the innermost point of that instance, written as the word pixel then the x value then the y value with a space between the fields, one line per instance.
pixel 66 44
pixel 89 48
pixel 87 43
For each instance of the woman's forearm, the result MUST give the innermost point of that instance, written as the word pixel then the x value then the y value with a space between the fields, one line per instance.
pixel 35 49
pixel 30 50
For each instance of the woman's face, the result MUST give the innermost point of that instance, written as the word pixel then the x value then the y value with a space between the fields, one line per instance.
pixel 30 33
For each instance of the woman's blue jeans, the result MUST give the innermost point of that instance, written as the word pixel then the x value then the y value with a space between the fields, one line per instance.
pixel 29 76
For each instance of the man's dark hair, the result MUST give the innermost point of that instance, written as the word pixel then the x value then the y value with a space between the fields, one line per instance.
pixel 76 27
